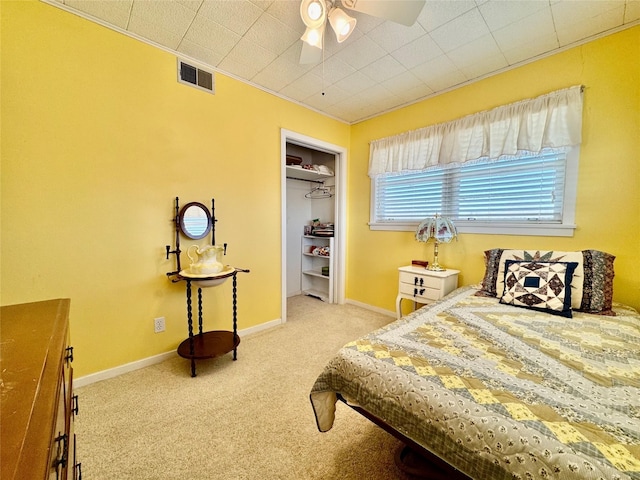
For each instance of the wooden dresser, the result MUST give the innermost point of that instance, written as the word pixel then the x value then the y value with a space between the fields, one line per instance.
pixel 37 401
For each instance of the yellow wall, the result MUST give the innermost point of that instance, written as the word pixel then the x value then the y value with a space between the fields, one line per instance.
pixel 608 202
pixel 98 138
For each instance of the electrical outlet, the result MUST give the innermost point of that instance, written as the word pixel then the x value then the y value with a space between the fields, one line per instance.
pixel 158 324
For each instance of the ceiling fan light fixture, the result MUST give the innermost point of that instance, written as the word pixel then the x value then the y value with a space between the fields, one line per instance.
pixel 313 12
pixel 341 23
pixel 313 36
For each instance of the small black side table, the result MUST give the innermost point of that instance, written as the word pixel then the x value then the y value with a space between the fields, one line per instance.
pixel 213 343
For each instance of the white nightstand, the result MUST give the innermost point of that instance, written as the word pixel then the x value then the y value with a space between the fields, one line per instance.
pixel 424 286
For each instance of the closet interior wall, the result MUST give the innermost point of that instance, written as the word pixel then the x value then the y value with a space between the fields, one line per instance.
pixel 301 210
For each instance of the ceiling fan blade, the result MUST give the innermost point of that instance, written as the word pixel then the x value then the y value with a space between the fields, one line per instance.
pixel 400 11
pixel 310 54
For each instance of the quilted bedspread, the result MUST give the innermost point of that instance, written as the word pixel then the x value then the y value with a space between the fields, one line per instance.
pixel 500 392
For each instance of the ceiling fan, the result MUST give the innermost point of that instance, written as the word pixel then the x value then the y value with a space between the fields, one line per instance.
pixel 315 14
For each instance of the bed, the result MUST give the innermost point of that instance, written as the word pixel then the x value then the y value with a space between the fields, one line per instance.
pixel 526 383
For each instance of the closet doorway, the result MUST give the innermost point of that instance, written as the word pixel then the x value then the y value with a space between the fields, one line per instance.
pixel 313 190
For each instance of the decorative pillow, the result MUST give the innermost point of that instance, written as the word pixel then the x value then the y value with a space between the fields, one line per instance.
pixel 545 256
pixel 597 290
pixel 591 286
pixel 491 267
pixel 544 286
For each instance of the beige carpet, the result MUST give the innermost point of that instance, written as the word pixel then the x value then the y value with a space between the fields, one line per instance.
pixel 248 419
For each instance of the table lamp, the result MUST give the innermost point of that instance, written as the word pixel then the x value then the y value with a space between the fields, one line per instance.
pixel 441 230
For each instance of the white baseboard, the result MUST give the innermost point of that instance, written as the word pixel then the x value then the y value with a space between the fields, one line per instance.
pixel 121 369
pixel 146 362
pixel 370 307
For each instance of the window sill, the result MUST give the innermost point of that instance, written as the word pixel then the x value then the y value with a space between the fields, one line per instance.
pixel 548 230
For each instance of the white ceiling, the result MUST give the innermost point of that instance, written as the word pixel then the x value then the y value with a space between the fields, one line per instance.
pixel 383 65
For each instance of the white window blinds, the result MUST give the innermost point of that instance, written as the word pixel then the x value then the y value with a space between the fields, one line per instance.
pixel 526 189
pixel 552 121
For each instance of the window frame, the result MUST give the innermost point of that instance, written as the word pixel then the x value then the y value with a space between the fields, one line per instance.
pixel 564 229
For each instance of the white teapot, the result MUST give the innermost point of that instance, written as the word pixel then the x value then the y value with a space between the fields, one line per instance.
pixel 206 261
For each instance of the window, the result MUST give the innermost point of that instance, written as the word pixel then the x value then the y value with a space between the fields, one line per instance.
pixel 529 195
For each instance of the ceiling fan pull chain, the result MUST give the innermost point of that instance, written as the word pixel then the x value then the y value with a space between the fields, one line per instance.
pixel 323 65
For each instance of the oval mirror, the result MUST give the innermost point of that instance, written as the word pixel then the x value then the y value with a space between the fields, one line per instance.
pixel 195 220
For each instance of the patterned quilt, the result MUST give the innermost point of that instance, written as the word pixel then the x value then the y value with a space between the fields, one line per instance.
pixel 501 392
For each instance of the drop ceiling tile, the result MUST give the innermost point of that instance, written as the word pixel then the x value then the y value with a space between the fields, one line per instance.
pixel 211 35
pixel 574 24
pixel 391 36
pixel 566 12
pixel 190 4
pixel 500 13
pixel 262 33
pixel 364 23
pixel 289 16
pixel 471 53
pixel 200 53
pixel 154 32
pixel 281 72
pixel 415 94
pixel 333 70
pixel 332 95
pixel 115 12
pixel 526 51
pixel 355 83
pixel 303 87
pixel 339 111
pixel 271 79
pixel 265 4
pixel 309 84
pixel 360 53
pixel 419 51
pixel 236 15
pixel 383 69
pixel 484 66
pixel 632 11
pixel 526 31
pixel 461 30
pixel 402 82
pixel 438 12
pixel 251 55
pixel 237 69
pixel 439 74
pixel 169 16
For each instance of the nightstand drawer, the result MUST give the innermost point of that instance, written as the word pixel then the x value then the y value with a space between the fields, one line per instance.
pixel 420 294
pixel 420 280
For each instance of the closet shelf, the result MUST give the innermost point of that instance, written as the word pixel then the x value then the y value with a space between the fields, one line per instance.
pixel 297 173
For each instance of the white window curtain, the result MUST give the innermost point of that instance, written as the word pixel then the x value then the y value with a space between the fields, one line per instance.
pixel 553 120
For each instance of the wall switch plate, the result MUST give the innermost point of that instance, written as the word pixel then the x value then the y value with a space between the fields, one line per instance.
pixel 158 324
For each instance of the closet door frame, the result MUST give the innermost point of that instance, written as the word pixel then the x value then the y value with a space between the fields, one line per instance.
pixel 340 154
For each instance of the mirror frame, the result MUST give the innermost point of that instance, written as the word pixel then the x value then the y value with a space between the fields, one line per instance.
pixel 181 217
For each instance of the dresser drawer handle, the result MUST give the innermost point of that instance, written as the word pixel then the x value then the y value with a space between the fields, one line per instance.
pixel 62 459
pixel 75 404
pixel 69 356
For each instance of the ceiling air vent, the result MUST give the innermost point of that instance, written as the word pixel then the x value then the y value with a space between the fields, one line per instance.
pixel 196 77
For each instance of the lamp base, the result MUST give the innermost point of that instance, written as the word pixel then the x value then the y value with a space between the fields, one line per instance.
pixel 436 267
